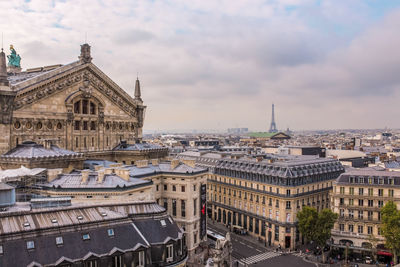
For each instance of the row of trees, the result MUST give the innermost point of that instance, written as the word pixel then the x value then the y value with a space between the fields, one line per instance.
pixel 316 226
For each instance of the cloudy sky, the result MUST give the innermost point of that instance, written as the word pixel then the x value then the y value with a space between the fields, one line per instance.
pixel 221 63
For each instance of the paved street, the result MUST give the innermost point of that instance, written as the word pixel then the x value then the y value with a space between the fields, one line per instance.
pixel 252 253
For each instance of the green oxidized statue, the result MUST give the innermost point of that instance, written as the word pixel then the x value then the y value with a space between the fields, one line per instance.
pixel 14 60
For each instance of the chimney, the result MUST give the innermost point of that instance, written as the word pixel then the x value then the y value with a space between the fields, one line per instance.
pixel 190 162
pixel 53 173
pixel 47 144
pixel 174 163
pixel 137 90
pixel 98 167
pixel 3 71
pixel 123 173
pixel 115 165
pixel 142 163
pixel 100 176
pixel 259 159
pixel 109 171
pixel 85 176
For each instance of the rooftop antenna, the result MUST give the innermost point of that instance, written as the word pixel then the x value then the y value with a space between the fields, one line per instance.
pixel 2 42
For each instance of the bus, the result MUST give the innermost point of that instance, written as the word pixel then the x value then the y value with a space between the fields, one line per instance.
pixel 213 236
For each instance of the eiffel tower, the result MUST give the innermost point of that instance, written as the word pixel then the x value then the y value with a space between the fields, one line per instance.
pixel 272 128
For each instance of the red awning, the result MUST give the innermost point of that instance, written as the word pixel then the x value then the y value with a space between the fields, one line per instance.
pixel 385 253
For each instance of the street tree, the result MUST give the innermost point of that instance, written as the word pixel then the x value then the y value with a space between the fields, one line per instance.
pixel 316 226
pixel 307 220
pixel 391 227
pixel 322 232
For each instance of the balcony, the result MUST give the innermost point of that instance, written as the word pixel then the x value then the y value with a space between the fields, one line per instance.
pixel 349 234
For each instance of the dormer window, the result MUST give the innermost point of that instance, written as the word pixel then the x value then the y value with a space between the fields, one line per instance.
pixel 110 232
pixel 30 244
pixel 59 240
pixel 170 252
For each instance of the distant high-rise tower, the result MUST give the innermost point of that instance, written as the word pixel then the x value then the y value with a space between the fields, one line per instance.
pixel 272 128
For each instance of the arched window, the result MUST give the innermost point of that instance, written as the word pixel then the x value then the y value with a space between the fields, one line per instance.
pixel 92 125
pixel 77 107
pixel 92 108
pixel 85 106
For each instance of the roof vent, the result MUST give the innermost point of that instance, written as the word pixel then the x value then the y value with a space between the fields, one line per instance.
pixel 163 223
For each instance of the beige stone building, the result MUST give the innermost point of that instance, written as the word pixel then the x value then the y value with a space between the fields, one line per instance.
pixel 263 196
pixel 358 196
pixel 76 106
pixel 174 185
pixel 178 190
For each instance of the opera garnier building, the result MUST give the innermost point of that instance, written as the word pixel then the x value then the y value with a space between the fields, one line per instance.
pixel 74 106
pixel 78 186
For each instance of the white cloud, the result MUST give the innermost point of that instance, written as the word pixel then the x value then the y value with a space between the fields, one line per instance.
pixel 220 64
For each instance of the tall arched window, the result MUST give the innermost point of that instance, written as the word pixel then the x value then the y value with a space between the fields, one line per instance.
pixel 85 106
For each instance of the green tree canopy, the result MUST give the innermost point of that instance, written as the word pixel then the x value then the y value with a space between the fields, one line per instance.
pixel 391 227
pixel 307 218
pixel 316 226
pixel 325 222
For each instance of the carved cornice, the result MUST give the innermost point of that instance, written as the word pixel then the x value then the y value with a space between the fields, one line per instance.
pixel 76 75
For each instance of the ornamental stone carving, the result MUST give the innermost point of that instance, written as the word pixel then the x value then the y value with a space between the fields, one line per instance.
pixel 85 54
pixel 6 106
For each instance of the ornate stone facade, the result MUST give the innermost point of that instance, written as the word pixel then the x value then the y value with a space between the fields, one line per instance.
pixel 76 106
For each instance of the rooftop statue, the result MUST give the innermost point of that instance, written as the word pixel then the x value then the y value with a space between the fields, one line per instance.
pixel 14 60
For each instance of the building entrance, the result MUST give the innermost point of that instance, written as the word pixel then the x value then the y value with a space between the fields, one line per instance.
pixel 269 238
pixel 287 241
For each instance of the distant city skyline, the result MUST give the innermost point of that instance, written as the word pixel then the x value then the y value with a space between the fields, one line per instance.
pixel 219 65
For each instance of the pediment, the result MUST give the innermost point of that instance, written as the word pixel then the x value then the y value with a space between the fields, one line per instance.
pixel 73 75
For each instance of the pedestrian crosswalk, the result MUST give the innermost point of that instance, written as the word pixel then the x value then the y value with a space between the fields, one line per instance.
pixel 260 257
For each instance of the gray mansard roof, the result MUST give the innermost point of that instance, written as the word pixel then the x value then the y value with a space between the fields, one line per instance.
pixel 379 178
pixel 290 169
pixel 32 150
pixel 111 181
pixel 150 169
pixel 43 226
pixel 165 168
pixel 137 147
